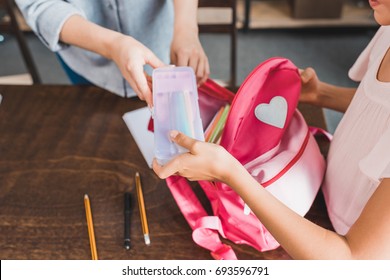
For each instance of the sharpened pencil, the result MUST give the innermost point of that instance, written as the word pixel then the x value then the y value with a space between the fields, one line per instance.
pixel 142 211
pixel 91 232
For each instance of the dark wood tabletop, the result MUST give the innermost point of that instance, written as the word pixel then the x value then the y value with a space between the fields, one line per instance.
pixel 58 143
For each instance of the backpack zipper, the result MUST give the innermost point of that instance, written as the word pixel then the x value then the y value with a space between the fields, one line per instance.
pixel 290 164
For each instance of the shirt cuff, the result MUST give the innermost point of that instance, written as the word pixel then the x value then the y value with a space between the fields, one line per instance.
pixel 50 21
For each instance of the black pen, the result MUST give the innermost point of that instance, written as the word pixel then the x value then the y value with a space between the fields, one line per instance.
pixel 127 220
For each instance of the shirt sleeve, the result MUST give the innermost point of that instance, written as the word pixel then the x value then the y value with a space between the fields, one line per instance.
pixel 46 18
pixel 359 68
pixel 376 164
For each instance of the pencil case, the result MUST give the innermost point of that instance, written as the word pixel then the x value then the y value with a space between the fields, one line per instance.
pixel 176 107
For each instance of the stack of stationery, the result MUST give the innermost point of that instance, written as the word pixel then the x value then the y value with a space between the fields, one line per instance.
pixel 214 130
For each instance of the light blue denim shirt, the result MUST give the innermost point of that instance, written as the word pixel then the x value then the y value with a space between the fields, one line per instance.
pixel 148 21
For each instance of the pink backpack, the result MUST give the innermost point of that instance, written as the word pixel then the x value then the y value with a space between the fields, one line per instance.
pixel 267 134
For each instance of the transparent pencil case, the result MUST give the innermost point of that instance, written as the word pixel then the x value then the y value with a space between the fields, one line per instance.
pixel 176 107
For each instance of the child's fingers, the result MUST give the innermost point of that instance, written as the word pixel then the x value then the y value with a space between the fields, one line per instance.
pixel 307 74
pixel 182 139
pixel 164 171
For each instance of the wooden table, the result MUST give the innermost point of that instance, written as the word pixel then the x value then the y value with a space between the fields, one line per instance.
pixel 58 143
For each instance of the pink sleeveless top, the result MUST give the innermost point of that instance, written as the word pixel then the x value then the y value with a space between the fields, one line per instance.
pixel 359 155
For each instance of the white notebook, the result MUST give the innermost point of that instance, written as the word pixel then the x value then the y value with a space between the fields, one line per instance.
pixel 137 121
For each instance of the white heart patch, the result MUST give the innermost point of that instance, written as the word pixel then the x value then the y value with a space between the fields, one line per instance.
pixel 274 113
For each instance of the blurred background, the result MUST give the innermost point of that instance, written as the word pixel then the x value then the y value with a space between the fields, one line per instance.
pixel 237 35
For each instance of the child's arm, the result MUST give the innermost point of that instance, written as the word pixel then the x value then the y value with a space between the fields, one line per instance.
pixel 302 239
pixel 129 54
pixel 323 94
pixel 186 49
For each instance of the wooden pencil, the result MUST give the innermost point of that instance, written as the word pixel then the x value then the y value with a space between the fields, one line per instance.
pixel 142 211
pixel 91 232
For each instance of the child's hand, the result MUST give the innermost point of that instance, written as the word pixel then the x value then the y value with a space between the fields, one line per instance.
pixel 131 56
pixel 310 86
pixel 204 161
pixel 186 50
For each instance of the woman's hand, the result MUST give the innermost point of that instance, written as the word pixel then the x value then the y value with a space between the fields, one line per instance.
pixel 131 56
pixel 204 161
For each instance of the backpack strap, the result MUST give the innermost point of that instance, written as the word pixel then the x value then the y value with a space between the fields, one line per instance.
pixel 206 235
pixel 205 228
